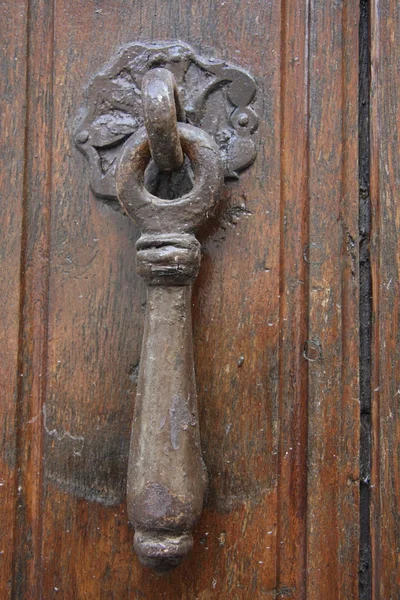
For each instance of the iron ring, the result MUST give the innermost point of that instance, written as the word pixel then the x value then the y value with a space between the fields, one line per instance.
pixel 181 215
pixel 162 109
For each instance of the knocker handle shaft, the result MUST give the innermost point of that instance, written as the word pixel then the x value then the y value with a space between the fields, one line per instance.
pixel 166 473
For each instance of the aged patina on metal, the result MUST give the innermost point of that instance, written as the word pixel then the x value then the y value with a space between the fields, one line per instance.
pixel 166 473
pixel 216 96
pixel 162 109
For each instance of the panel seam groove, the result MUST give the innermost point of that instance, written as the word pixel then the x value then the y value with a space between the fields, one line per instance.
pixel 365 301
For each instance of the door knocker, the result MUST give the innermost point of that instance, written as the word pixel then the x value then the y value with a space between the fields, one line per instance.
pixel 161 108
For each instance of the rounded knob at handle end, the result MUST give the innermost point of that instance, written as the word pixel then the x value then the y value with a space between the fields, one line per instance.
pixel 162 551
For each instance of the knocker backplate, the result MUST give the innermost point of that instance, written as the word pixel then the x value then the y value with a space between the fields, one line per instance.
pixel 217 96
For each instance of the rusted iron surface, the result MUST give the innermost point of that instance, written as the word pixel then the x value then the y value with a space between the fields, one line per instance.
pixel 162 85
pixel 162 108
pixel 166 473
pixel 216 96
pixel 182 215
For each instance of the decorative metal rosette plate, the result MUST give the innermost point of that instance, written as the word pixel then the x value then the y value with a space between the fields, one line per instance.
pixel 218 97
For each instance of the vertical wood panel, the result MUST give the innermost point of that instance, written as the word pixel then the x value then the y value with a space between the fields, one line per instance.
pixel 332 346
pixel 96 322
pixel 293 376
pixel 349 448
pixel 34 301
pixel 385 262
pixel 278 287
pixel 12 135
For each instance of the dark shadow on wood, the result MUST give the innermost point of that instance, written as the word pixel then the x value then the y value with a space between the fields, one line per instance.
pixel 365 589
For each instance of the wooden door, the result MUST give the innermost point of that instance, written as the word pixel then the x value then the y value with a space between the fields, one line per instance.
pixel 302 453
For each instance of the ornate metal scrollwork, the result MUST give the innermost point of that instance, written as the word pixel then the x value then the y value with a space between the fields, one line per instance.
pixel 216 96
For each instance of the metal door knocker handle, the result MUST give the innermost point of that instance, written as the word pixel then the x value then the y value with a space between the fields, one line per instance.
pixel 166 473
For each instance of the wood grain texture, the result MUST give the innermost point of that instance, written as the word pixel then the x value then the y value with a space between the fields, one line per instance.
pixel 385 262
pixel 332 347
pixel 274 317
pixel 34 302
pixel 293 315
pixel 12 155
pixel 96 324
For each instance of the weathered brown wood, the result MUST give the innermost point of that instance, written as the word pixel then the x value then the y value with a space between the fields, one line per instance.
pixel 34 302
pixel 12 155
pixel 332 346
pixel 385 264
pixel 293 314
pixel 274 316
pixel 233 553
